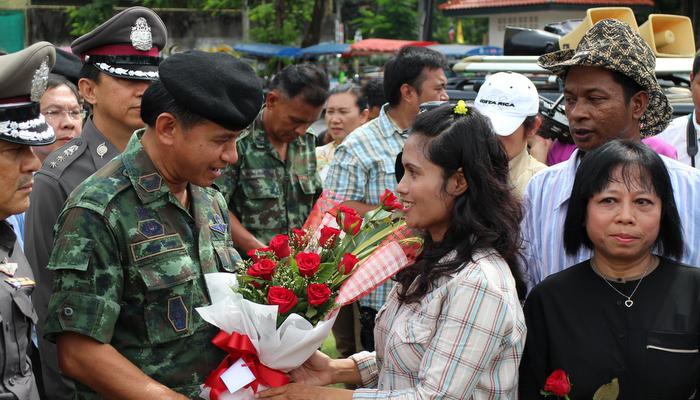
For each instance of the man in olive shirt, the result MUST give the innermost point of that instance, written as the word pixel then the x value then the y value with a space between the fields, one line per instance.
pixel 274 184
pixel 135 240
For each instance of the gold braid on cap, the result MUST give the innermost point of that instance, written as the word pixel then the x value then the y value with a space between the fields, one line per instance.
pixel 461 108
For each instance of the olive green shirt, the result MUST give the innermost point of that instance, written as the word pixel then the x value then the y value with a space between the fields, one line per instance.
pixel 270 196
pixel 130 264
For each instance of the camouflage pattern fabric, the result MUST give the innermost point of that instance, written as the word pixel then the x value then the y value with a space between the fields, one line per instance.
pixel 130 264
pixel 270 196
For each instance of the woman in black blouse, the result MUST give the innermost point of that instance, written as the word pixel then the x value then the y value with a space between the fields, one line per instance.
pixel 626 313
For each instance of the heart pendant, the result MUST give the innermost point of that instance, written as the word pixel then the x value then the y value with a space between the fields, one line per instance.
pixel 628 303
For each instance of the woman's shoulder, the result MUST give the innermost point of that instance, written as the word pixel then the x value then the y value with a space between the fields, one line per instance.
pixel 687 272
pixel 486 269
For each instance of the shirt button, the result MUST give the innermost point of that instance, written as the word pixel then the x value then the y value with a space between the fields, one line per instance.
pixel 67 311
pixel 11 381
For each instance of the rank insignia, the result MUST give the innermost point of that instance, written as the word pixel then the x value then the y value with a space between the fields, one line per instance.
pixel 151 182
pixel 19 283
pixel 178 314
pixel 151 228
pixel 218 225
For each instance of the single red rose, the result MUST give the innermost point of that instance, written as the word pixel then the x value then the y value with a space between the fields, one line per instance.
pixel 258 254
pixel 284 298
pixel 280 245
pixel 389 201
pixel 328 236
pixel 298 238
pixel 308 263
pixel 347 263
pixel 558 383
pixel 318 293
pixel 262 269
pixel 349 220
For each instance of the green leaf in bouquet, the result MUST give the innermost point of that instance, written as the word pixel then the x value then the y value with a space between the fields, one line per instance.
pixel 325 272
pixel 609 391
pixel 311 312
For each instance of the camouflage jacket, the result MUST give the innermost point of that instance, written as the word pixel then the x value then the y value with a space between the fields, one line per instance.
pixel 130 264
pixel 268 195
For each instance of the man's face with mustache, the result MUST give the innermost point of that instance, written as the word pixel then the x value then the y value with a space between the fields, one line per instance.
pixel 17 166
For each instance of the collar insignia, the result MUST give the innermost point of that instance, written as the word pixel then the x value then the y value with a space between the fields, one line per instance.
pixel 218 225
pixel 102 150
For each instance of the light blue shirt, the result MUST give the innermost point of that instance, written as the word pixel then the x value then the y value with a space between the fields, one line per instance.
pixel 546 202
pixel 17 223
pixel 362 168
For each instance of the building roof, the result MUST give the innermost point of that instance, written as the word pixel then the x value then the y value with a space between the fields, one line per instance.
pixel 474 6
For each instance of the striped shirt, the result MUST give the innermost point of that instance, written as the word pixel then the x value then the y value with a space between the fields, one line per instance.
pixel 464 340
pixel 546 202
pixel 362 168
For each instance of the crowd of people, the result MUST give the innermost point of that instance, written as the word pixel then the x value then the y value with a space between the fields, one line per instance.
pixel 546 269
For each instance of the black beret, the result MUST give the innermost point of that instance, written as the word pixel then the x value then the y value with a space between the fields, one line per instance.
pixel 215 86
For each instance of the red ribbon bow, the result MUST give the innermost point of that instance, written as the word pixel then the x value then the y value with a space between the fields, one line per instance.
pixel 239 346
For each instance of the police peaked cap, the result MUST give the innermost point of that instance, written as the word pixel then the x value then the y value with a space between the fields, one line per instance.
pixel 23 78
pixel 125 46
pixel 215 86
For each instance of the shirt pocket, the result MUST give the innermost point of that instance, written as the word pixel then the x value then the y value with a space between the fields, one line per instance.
pixel 226 255
pixel 171 290
pixel 260 206
pixel 410 340
pixel 673 357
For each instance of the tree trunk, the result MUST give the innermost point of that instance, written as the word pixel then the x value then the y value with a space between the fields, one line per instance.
pixel 279 14
pixel 320 13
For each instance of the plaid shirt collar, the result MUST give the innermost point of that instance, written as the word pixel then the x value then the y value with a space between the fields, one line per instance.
pixel 388 127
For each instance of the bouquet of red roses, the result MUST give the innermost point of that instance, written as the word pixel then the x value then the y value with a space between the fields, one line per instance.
pixel 283 301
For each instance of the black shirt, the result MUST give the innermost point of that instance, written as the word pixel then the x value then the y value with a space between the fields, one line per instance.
pixel 578 323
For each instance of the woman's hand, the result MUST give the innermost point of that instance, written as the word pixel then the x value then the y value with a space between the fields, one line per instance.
pixel 316 371
pixel 298 391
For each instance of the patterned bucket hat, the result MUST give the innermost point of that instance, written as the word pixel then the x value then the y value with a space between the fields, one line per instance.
pixel 614 45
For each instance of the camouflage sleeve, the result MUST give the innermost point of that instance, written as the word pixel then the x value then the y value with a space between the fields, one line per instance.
pixel 89 277
pixel 346 179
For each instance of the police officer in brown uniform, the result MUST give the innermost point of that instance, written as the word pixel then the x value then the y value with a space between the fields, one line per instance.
pixel 120 61
pixel 22 76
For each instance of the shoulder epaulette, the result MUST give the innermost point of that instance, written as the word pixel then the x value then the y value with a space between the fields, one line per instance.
pixel 59 160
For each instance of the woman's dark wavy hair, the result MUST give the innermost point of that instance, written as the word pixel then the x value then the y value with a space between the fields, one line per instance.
pixel 486 216
pixel 638 165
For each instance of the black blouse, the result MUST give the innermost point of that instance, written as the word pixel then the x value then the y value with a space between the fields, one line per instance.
pixel 578 323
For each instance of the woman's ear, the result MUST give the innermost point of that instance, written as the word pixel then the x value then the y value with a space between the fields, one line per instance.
pixel 457 184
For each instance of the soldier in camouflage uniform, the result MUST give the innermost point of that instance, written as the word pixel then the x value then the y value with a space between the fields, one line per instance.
pixel 135 240
pixel 273 186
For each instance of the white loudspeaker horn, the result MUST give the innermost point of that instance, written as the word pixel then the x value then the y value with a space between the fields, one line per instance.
pixel 669 35
pixel 593 15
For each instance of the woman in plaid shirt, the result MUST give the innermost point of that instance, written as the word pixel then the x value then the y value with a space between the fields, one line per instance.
pixel 453 327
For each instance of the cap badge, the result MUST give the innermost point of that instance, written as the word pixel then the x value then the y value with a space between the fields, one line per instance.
pixel 141 38
pixel 41 76
pixel 101 149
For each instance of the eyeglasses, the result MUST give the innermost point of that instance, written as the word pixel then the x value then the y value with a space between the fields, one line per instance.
pixel 54 115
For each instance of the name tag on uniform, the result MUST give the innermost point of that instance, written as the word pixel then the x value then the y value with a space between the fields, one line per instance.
pixel 19 283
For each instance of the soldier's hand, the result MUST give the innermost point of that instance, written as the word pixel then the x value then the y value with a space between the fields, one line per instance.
pixel 317 371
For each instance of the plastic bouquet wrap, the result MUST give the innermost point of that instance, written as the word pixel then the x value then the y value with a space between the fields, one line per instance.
pixel 277 311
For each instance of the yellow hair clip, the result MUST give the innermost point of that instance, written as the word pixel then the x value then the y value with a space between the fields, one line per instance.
pixel 461 108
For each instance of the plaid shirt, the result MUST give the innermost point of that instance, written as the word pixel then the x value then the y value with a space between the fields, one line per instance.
pixel 362 167
pixel 464 339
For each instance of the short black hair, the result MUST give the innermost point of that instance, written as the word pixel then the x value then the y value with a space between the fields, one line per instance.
pixel 373 91
pixel 157 100
pixel 306 80
pixel 407 67
pixel 56 80
pixel 638 164
pixel 89 71
pixel 360 100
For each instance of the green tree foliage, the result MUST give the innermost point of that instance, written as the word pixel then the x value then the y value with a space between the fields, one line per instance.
pixel 85 18
pixel 390 19
pixel 266 25
pixel 474 30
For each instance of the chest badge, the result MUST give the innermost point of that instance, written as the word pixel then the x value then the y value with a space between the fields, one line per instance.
pixel 19 283
pixel 151 228
pixel 8 268
pixel 151 182
pixel 178 315
pixel 101 149
pixel 218 225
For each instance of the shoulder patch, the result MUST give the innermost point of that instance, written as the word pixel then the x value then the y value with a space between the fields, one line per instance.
pixel 57 162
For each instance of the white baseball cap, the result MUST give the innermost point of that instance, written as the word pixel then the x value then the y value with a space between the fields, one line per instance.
pixel 507 98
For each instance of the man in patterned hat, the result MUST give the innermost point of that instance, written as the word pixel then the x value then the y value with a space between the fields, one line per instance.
pixel 23 78
pixel 120 61
pixel 135 240
pixel 611 93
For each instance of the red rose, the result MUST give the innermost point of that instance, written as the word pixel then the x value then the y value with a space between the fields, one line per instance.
pixel 308 263
pixel 349 220
pixel 347 263
pixel 558 384
pixel 282 297
pixel 328 236
pixel 318 293
pixel 258 254
pixel 389 201
pixel 299 238
pixel 262 269
pixel 280 245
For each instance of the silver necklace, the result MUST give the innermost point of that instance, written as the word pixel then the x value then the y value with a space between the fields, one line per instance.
pixel 629 302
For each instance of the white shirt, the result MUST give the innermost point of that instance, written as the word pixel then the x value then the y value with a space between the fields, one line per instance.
pixel 675 135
